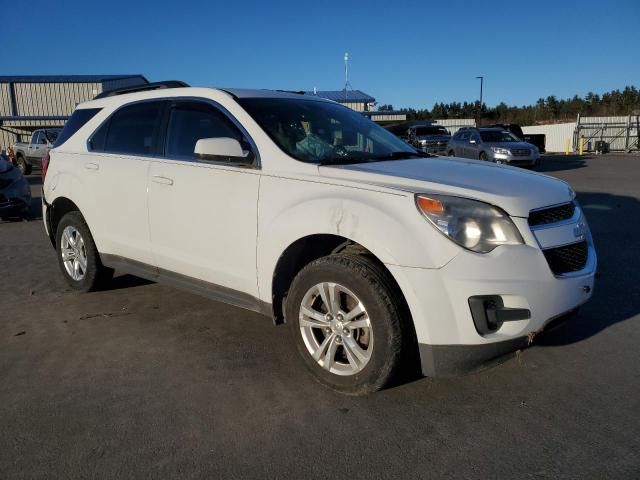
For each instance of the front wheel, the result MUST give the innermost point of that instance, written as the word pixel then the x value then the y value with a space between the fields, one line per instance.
pixel 451 153
pixel 348 323
pixel 483 156
pixel 78 258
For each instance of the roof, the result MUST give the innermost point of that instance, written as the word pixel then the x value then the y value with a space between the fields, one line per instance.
pixel 65 78
pixel 343 96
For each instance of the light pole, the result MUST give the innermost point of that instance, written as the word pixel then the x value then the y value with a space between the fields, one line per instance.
pixel 480 107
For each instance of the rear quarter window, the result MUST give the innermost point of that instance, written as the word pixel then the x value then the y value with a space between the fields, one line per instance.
pixel 75 123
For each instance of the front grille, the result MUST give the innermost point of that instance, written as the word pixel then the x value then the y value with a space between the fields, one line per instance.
pixel 552 214
pixel 567 259
pixel 520 152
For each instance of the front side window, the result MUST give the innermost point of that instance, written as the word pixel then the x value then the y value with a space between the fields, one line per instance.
pixel 35 138
pixel 193 121
pixel 132 130
pixel 323 132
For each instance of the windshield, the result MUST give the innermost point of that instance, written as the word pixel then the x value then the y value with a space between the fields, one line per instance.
pixel 323 132
pixel 420 131
pixel 497 136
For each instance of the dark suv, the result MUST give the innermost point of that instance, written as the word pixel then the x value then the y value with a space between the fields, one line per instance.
pixel 494 145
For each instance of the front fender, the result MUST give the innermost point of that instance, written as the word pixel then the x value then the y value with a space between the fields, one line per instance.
pixel 386 224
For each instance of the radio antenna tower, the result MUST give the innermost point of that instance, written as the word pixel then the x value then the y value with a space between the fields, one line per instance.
pixel 347 84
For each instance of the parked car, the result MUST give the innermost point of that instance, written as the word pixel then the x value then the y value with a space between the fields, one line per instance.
pixel 304 210
pixel 426 136
pixel 29 155
pixel 15 191
pixel 537 139
pixel 494 145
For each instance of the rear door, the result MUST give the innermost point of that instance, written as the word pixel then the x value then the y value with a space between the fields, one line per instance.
pixel 203 214
pixel 461 144
pixel 116 174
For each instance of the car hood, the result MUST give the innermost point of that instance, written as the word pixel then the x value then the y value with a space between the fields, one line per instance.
pixel 515 190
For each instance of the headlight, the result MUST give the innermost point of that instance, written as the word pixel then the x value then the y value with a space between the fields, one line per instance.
pixel 474 225
pixel 501 150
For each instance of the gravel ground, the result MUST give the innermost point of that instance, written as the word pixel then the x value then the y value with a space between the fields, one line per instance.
pixel 146 381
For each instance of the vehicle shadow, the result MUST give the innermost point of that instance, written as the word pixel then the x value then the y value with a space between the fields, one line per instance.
pixel 616 295
pixel 125 281
pixel 556 163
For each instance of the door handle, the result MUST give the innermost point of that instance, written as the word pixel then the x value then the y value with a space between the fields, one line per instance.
pixel 91 166
pixel 162 180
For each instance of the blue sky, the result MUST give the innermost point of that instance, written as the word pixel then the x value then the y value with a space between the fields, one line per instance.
pixel 404 53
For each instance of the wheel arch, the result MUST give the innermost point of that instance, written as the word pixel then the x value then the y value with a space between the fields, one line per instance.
pixel 307 249
pixel 58 209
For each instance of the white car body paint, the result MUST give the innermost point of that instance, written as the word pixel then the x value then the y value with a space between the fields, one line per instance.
pixel 229 226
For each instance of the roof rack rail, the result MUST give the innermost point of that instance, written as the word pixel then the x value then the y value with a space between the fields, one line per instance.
pixel 297 92
pixel 142 88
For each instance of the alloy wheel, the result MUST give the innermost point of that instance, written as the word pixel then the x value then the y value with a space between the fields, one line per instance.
pixel 74 253
pixel 336 328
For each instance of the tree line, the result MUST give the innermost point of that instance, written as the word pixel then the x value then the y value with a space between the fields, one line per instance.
pixel 545 110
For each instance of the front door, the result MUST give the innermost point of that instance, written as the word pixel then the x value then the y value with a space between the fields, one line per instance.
pixel 203 215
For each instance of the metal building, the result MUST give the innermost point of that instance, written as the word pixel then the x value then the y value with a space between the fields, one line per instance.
pixel 354 99
pixel 29 102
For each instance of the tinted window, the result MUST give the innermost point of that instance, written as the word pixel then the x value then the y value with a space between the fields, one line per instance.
pixel 192 121
pixel 132 130
pixel 465 135
pixel 474 136
pixel 77 120
pixel 35 137
pixel 497 136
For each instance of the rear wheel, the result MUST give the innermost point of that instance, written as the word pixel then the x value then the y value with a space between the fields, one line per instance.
pixel 23 166
pixel 78 257
pixel 348 323
pixel 451 153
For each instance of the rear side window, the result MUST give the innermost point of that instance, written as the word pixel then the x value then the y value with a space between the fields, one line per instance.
pixel 192 121
pixel 132 130
pixel 77 120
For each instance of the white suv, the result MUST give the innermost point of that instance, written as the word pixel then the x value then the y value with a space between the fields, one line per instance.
pixel 373 254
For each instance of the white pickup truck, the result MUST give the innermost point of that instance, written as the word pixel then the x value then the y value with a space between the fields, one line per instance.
pixel 29 155
pixel 377 257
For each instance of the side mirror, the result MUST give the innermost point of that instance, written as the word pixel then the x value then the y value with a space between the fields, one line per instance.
pixel 223 149
pixel 472 141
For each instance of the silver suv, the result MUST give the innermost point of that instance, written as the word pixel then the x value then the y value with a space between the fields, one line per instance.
pixel 494 145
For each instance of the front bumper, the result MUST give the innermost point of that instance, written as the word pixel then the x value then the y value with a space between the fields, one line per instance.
pixel 530 160
pixel 520 275
pixel 435 149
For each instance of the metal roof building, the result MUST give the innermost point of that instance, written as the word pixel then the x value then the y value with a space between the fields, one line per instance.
pixel 354 99
pixel 29 102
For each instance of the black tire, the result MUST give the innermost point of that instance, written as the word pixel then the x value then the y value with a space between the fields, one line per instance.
pixel 96 274
pixel 23 166
pixel 483 156
pixel 393 333
pixel 451 153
